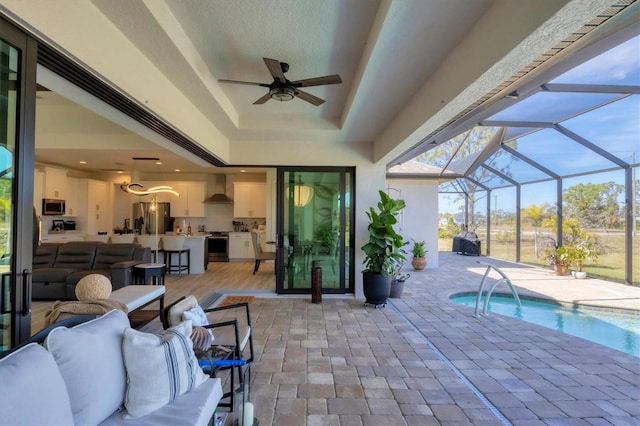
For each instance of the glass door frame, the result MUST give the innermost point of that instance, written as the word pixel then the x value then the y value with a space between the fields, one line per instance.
pixel 23 227
pixel 346 252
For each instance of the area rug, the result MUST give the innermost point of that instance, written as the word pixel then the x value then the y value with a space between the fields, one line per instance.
pixel 230 300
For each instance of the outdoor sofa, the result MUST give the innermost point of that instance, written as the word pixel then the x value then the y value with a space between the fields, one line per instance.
pixel 103 372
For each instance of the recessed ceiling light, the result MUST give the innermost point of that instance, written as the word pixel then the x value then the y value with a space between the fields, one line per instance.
pixel 120 171
pixel 242 171
pixel 176 170
pixel 83 162
pixel 159 163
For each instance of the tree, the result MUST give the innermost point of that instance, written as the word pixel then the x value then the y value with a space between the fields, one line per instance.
pixel 594 205
pixel 535 215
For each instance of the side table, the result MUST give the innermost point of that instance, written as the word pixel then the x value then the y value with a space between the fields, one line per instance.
pixel 149 273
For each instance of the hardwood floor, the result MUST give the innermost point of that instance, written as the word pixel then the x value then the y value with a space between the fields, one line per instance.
pixel 227 277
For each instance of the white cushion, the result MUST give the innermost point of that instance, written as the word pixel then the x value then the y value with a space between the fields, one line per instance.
pixel 89 357
pixel 159 368
pixel 32 389
pixel 175 312
pixel 196 315
pixel 202 338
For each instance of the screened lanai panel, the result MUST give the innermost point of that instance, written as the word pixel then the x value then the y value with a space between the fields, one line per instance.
pixel 614 128
pixel 618 66
pixel 460 147
pixel 559 153
pixel 517 132
pixel 488 178
pixel 552 107
pixel 515 168
pixel 450 186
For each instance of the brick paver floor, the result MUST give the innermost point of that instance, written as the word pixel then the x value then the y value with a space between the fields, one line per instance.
pixel 425 360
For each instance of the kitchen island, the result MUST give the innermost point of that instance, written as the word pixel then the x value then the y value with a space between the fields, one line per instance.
pixel 197 244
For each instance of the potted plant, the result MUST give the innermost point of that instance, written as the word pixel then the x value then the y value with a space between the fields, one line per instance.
pixel 383 251
pixel 560 259
pixel 582 251
pixel 397 281
pixel 419 261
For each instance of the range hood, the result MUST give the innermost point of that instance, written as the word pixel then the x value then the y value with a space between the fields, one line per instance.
pixel 220 196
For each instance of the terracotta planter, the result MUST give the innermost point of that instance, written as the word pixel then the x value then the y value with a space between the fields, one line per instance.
pixel 419 263
pixel 560 269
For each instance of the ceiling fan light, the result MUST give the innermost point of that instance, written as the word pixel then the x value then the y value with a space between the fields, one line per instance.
pixel 282 93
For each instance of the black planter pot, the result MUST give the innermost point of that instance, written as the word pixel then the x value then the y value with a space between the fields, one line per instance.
pixel 376 288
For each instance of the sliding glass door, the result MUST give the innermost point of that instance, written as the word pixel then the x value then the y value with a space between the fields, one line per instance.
pixel 17 97
pixel 314 229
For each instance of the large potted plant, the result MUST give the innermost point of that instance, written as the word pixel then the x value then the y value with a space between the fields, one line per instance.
pixel 383 251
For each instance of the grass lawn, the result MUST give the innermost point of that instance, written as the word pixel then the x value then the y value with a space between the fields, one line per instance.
pixel 610 265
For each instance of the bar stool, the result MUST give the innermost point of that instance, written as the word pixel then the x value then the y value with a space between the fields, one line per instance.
pixel 153 242
pixel 174 244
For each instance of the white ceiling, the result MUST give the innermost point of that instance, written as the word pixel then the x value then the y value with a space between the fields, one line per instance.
pixel 386 52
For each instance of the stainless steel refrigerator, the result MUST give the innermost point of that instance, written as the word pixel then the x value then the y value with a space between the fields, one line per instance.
pixel 144 218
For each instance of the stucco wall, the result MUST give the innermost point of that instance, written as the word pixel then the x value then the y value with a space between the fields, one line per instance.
pixel 419 219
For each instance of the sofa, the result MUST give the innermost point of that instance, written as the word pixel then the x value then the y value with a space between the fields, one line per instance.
pixel 57 268
pixel 103 372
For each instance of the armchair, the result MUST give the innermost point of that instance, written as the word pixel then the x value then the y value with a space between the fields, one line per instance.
pixel 231 326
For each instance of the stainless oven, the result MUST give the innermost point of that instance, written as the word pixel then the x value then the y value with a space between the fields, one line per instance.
pixel 218 246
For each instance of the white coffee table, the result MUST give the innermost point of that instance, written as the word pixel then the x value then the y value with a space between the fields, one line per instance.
pixel 138 296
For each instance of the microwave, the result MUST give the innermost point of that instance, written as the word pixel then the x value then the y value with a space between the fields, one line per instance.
pixel 53 207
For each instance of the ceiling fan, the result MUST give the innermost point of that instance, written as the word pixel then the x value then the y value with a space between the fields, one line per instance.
pixel 284 90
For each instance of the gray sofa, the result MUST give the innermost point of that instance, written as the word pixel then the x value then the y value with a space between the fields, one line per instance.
pixel 57 268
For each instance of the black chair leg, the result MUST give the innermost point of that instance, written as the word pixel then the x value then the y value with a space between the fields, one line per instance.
pixel 255 268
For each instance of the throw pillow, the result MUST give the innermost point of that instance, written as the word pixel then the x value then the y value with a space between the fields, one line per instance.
pixel 159 368
pixel 32 389
pixel 202 337
pixel 196 315
pixel 89 357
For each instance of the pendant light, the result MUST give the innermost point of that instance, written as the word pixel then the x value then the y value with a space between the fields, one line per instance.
pixel 302 194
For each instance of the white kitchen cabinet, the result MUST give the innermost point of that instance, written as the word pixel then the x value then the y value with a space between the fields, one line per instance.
pixel 38 191
pixel 63 237
pixel 249 200
pixel 240 246
pixel 73 189
pixel 55 183
pixel 97 196
pixel 190 202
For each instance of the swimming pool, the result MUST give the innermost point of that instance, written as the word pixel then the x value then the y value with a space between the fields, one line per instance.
pixel 615 330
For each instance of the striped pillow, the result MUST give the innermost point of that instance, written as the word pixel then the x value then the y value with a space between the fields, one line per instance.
pixel 159 368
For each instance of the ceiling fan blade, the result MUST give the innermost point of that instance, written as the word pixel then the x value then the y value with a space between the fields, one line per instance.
pixel 275 69
pixel 263 99
pixel 318 81
pixel 248 83
pixel 309 97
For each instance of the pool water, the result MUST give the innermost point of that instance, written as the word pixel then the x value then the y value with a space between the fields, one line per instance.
pixel 616 330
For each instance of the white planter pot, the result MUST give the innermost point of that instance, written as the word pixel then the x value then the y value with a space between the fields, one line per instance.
pixel 579 275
